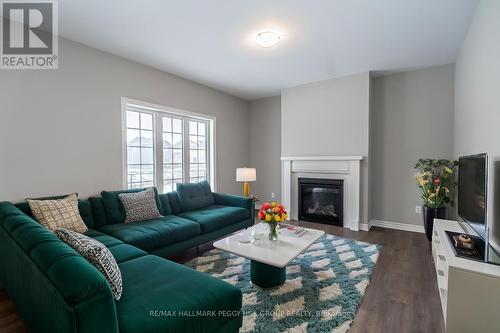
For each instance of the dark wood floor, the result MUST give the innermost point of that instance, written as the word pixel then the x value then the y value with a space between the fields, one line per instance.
pixel 402 296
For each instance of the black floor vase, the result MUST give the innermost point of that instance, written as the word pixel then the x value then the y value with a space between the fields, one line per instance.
pixel 429 215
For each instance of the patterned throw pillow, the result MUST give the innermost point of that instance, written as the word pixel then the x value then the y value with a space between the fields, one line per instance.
pixel 58 213
pixel 140 206
pixel 98 255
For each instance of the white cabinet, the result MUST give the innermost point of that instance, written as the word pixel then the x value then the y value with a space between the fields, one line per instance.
pixel 469 290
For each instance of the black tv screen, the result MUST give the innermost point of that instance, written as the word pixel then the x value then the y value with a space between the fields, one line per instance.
pixel 472 180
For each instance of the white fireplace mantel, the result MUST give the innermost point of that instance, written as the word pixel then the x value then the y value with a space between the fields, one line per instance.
pixel 347 168
pixel 322 158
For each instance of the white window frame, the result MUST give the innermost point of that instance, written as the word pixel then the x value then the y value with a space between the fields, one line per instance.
pixel 156 109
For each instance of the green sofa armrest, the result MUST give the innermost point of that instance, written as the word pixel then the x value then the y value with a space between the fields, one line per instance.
pixel 234 201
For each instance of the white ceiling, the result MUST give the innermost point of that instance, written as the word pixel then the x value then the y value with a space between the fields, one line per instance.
pixel 212 42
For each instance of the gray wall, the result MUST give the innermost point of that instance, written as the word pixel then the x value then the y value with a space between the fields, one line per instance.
pixel 326 118
pixel 60 130
pixel 265 146
pixel 411 118
pixel 329 118
pixel 477 99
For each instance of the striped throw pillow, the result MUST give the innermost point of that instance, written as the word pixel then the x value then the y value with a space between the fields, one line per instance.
pixel 98 255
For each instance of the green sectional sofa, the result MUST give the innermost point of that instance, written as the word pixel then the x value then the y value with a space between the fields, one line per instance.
pixel 56 290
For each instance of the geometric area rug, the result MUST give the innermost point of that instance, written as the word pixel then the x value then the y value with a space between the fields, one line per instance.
pixel 323 290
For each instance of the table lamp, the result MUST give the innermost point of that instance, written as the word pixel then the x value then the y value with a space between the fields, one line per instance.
pixel 246 175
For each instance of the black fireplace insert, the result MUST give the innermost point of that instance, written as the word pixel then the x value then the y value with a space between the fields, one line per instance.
pixel 321 200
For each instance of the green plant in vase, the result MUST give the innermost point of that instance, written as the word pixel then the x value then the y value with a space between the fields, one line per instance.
pixel 435 180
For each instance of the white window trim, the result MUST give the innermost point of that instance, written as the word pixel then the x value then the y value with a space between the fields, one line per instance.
pixel 171 110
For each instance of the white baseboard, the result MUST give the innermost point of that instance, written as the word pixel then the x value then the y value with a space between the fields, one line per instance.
pixel 365 226
pixel 396 225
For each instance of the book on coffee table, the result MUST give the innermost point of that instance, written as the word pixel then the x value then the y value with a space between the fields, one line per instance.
pixel 292 230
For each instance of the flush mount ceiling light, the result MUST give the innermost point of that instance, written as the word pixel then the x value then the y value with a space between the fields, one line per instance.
pixel 267 38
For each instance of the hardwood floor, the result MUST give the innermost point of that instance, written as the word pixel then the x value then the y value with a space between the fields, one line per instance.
pixel 402 296
pixel 9 319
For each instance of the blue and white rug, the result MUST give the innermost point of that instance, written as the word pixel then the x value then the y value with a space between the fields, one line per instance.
pixel 323 290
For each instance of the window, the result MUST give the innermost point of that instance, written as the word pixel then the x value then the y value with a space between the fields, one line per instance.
pixel 140 151
pixel 197 150
pixel 173 161
pixel 166 146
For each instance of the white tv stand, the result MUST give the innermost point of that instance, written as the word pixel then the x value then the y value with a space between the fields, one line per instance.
pixel 469 290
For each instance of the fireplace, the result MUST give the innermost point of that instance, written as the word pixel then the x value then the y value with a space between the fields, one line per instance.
pixel 347 168
pixel 321 200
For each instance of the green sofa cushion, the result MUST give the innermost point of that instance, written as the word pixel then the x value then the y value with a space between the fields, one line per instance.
pixel 173 200
pixel 115 213
pixel 83 207
pixel 121 251
pixel 153 234
pixel 98 212
pixel 172 287
pixel 215 217
pixel 107 240
pixel 194 196
pixel 171 250
pixel 28 234
pixel 77 279
pixel 165 204
pixel 46 253
pixel 124 252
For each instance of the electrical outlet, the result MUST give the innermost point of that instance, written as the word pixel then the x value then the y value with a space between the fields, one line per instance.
pixel 418 209
pixel 273 195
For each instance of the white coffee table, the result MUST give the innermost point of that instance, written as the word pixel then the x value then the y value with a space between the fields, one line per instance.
pixel 268 258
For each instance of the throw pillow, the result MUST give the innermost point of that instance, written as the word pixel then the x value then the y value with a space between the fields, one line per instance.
pixel 58 213
pixel 98 255
pixel 140 206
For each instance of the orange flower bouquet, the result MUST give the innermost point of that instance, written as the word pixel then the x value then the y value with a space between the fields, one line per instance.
pixel 273 214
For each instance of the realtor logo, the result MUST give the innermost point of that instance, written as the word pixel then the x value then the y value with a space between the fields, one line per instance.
pixel 29 34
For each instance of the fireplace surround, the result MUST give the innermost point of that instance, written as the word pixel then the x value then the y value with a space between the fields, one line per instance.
pixel 346 168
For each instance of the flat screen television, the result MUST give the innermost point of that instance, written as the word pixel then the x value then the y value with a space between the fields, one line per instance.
pixel 472 204
pixel 472 191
